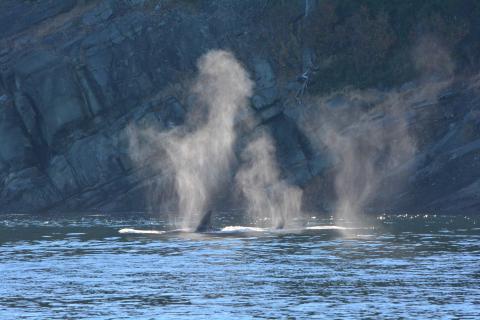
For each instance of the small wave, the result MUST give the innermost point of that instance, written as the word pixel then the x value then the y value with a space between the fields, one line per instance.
pixel 137 231
pixel 242 229
pixel 184 230
pixel 257 229
pixel 327 227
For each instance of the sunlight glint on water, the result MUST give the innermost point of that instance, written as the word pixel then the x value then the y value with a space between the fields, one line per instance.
pixel 84 268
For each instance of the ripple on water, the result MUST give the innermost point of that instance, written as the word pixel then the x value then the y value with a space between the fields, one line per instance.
pixel 86 268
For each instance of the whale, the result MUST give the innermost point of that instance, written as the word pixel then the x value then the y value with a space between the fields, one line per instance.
pixel 280 224
pixel 205 224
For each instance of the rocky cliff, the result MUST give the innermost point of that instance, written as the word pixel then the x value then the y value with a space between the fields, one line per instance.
pixel 75 75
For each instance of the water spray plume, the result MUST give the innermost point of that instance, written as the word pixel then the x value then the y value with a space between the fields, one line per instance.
pixel 199 154
pixel 201 157
pixel 269 199
pixel 370 140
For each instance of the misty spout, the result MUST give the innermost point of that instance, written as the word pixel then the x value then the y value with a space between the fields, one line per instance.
pixel 201 152
pixel 270 200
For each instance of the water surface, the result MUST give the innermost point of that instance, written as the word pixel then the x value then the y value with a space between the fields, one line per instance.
pixel 416 267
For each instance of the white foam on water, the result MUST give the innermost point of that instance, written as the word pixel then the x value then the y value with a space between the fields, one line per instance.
pixel 139 231
pixel 186 230
pixel 327 227
pixel 232 229
pixel 242 229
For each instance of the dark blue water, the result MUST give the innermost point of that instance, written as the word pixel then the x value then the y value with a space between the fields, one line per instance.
pixel 412 267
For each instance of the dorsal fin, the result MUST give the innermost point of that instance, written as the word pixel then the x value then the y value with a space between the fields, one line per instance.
pixel 205 223
pixel 280 224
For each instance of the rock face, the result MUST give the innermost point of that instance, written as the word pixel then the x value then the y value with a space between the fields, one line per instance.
pixel 75 74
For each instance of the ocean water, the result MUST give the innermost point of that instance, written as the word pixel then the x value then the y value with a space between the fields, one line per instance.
pixel 100 267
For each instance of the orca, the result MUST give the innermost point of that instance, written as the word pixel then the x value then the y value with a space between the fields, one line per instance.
pixel 205 224
pixel 280 224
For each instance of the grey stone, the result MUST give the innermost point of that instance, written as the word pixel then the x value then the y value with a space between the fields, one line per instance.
pixel 34 62
pixel 90 95
pixel 27 189
pixel 269 113
pixel 27 113
pixel 264 97
pixel 14 146
pixel 71 85
pixel 172 112
pixel 136 2
pixel 17 16
pixel 95 159
pixel 62 176
pixel 101 13
pixel 337 102
pixel 291 148
pixel 266 92
pixel 54 90
pixel 59 101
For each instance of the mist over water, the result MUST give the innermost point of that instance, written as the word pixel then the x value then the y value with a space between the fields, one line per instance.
pixel 370 140
pixel 367 136
pixel 327 167
pixel 270 200
pixel 367 151
pixel 202 158
pixel 200 153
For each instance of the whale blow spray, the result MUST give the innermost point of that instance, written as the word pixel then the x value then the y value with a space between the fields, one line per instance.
pixel 201 152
